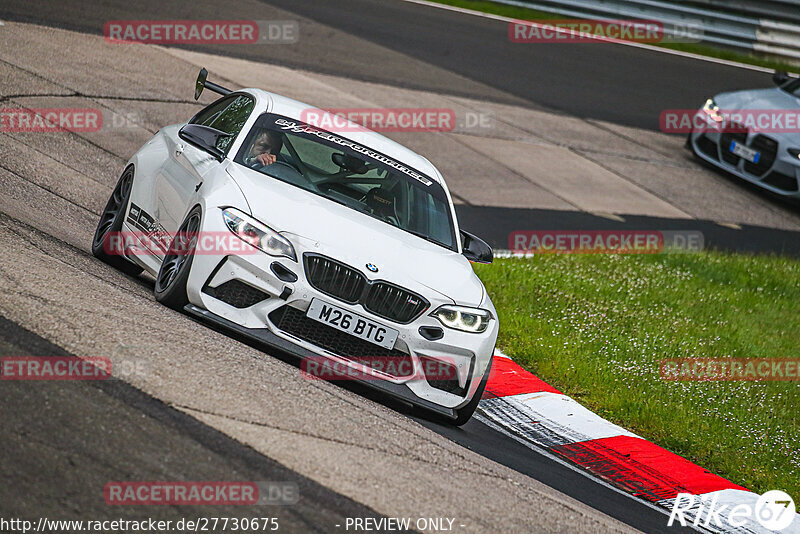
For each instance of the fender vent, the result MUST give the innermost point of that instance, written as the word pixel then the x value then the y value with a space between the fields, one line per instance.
pixel 236 293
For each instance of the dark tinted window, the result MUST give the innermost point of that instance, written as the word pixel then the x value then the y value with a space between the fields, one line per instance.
pixel 228 115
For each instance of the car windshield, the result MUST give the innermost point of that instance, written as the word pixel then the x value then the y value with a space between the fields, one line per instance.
pixel 350 174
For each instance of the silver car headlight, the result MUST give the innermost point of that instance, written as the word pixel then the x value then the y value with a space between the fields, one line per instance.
pixel 258 234
pixel 795 152
pixel 711 109
pixel 462 318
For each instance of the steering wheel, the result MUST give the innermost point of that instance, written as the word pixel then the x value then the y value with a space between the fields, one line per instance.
pixel 258 166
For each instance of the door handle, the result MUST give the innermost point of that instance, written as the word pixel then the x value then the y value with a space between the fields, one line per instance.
pixel 178 150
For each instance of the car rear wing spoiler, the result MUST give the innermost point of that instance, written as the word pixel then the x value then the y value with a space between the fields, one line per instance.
pixel 202 83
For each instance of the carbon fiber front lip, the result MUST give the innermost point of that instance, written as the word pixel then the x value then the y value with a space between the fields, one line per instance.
pixel 267 337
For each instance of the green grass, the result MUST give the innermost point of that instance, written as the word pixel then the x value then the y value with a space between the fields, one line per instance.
pixel 596 327
pixel 694 48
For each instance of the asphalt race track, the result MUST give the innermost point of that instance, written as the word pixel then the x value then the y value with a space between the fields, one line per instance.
pixel 52 432
pixel 437 50
pixel 204 407
pixel 409 45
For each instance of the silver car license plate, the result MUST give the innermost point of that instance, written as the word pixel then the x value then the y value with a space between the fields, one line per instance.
pixel 353 324
pixel 745 152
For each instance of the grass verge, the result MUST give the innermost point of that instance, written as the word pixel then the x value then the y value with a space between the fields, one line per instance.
pixel 597 326
pixel 523 13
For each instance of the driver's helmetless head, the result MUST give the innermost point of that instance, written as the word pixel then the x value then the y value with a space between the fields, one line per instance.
pixel 266 143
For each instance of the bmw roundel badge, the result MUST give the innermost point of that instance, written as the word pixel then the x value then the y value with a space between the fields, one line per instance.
pixel 372 268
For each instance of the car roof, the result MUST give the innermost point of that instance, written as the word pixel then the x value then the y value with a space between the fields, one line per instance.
pixel 294 109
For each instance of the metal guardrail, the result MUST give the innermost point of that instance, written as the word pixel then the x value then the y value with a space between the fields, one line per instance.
pixel 730 23
pixel 785 10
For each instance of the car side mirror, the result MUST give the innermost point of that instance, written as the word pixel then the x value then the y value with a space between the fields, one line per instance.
pixel 476 249
pixel 204 138
pixel 780 77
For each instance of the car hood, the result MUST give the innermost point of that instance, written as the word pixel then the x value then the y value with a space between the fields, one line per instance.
pixel 757 99
pixel 322 226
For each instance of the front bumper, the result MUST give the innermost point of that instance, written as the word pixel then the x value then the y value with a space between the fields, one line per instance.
pixel 281 283
pixel 777 171
pixel 266 337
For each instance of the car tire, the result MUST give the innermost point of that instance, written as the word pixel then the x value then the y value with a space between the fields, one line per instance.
pixel 170 288
pixel 464 413
pixel 111 222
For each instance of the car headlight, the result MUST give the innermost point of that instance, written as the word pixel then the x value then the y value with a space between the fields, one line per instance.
pixel 258 234
pixel 711 109
pixel 795 152
pixel 462 318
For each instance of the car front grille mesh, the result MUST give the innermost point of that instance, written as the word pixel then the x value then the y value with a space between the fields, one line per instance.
pixel 393 302
pixel 345 283
pixel 707 147
pixel 334 278
pixel 295 322
pixel 768 148
pixel 736 133
pixel 781 181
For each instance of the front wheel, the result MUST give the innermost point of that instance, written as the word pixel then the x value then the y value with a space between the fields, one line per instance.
pixel 173 275
pixel 110 226
pixel 465 413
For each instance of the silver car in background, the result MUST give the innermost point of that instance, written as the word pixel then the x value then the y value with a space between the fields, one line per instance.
pixel 754 135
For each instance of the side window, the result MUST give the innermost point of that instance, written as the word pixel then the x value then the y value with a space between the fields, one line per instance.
pixel 210 113
pixel 228 115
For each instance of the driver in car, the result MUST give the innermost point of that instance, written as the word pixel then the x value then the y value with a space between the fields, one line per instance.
pixel 265 149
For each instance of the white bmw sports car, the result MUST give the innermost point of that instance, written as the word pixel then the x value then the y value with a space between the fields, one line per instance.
pixel 343 250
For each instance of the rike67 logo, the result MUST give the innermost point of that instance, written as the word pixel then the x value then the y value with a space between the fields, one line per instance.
pixel 774 510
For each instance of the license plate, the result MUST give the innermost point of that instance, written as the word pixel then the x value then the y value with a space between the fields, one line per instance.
pixel 353 324
pixel 745 152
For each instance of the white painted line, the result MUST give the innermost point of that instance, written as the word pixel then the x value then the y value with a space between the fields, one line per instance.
pixel 550 419
pixel 733 226
pixel 500 354
pixel 609 216
pixel 624 43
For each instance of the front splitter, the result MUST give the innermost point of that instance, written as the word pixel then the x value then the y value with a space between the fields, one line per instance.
pixel 265 336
